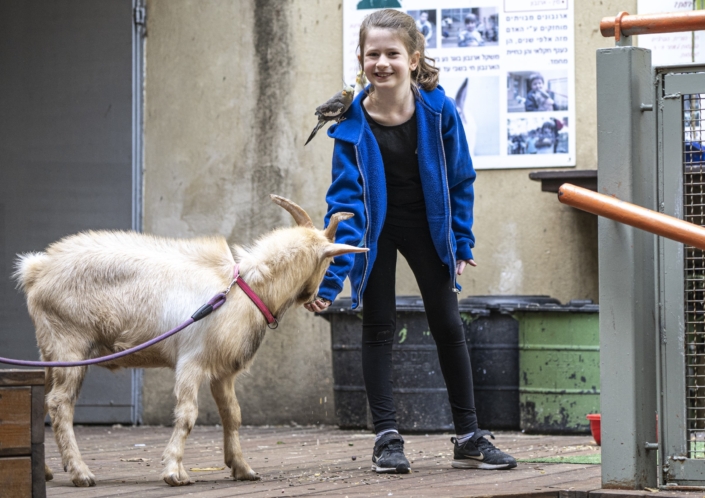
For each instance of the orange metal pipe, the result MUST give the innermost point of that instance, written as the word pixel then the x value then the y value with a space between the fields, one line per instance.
pixel 671 22
pixel 632 215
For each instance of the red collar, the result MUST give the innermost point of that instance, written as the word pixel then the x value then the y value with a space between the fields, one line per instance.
pixel 272 322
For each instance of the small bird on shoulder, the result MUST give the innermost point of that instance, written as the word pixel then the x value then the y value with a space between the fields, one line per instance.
pixel 335 107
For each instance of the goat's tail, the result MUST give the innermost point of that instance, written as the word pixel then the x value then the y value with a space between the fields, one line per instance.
pixel 27 269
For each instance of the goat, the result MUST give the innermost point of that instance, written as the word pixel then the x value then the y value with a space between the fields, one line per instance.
pixel 98 293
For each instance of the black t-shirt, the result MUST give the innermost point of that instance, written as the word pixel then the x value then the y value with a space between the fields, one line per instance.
pixel 398 144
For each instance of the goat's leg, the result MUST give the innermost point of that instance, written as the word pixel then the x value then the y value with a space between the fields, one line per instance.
pixel 48 384
pixel 61 401
pixel 224 394
pixel 188 380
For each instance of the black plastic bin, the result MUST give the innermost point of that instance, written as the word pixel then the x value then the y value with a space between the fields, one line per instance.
pixel 493 343
pixel 420 395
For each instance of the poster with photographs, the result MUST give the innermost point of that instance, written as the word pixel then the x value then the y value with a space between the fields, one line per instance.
pixel 671 48
pixel 508 64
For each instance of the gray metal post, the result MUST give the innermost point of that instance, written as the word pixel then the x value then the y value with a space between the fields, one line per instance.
pixel 627 169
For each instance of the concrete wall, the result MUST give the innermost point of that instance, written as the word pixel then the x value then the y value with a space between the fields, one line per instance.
pixel 230 93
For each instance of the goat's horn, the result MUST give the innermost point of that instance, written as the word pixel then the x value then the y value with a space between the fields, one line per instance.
pixel 302 218
pixel 333 225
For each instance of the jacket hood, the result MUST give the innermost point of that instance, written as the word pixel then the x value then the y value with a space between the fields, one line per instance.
pixel 350 129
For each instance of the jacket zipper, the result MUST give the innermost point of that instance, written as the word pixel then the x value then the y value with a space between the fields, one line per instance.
pixel 453 274
pixel 367 226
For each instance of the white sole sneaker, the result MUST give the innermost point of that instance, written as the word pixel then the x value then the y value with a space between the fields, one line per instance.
pixel 389 470
pixel 476 464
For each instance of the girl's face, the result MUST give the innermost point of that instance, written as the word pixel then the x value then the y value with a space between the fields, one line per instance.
pixel 385 60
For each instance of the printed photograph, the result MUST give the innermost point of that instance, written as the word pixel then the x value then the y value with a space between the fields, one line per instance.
pixel 537 91
pixel 477 103
pixel 378 4
pixel 537 135
pixel 426 22
pixel 469 27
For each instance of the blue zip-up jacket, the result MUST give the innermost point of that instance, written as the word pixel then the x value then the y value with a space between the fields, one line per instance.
pixel 359 187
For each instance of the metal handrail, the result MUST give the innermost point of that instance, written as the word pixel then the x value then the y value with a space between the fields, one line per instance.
pixel 671 22
pixel 632 215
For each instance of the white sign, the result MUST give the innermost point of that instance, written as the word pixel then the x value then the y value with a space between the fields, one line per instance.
pixel 671 48
pixel 509 65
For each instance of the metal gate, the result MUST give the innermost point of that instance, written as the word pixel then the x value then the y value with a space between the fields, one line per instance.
pixel 652 289
pixel 681 181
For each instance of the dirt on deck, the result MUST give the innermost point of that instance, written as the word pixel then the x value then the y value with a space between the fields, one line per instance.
pixel 324 461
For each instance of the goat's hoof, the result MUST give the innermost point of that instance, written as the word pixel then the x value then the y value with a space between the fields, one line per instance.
pixel 175 480
pixel 244 474
pixel 83 480
pixel 48 474
pixel 176 477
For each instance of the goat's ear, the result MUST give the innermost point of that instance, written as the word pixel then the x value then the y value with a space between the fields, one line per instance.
pixel 302 218
pixel 333 225
pixel 337 249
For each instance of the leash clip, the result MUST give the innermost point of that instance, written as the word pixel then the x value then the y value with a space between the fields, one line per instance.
pixel 236 276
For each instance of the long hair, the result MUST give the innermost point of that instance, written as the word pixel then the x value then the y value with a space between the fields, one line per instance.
pixel 403 25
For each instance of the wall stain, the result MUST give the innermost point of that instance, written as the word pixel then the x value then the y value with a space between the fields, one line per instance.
pixel 272 42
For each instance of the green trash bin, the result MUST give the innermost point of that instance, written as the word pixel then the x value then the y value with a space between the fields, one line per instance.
pixel 559 366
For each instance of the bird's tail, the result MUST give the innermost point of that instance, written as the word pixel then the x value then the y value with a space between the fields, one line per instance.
pixel 315 130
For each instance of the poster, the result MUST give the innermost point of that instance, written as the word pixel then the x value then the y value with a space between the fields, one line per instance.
pixel 508 64
pixel 671 48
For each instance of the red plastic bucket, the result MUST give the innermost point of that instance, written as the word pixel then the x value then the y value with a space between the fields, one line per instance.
pixel 594 419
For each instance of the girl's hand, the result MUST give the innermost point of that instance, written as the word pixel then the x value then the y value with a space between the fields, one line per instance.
pixel 317 305
pixel 462 264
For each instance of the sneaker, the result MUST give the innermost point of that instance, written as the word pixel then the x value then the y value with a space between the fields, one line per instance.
pixel 479 453
pixel 388 455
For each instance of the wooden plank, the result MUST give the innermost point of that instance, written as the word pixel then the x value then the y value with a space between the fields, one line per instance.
pixel 573 494
pixel 39 489
pixel 15 420
pixel 37 414
pixel 625 493
pixel 17 377
pixel 16 477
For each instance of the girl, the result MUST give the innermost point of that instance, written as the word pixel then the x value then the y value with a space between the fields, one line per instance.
pixel 401 165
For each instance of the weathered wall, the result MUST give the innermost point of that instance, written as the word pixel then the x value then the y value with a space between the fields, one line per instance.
pixel 230 93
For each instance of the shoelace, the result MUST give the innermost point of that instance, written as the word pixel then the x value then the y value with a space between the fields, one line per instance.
pixel 481 442
pixel 395 445
pixel 392 445
pixel 484 445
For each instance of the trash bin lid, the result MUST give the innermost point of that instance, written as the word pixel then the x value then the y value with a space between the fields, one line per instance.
pixel 403 303
pixel 573 306
pixel 500 301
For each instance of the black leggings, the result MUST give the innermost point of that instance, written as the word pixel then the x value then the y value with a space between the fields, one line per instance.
pixel 379 325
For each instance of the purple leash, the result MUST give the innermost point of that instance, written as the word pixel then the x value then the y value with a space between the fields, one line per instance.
pixel 215 302
pixel 212 305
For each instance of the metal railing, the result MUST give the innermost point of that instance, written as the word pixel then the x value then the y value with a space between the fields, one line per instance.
pixel 624 24
pixel 632 215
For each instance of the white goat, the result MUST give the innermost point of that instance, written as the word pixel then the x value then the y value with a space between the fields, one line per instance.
pixel 98 293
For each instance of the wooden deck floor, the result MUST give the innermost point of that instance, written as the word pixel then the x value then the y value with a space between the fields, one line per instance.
pixel 320 461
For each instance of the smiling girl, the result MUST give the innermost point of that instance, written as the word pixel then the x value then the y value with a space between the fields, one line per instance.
pixel 401 164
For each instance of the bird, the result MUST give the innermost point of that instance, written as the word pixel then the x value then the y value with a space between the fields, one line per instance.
pixel 333 109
